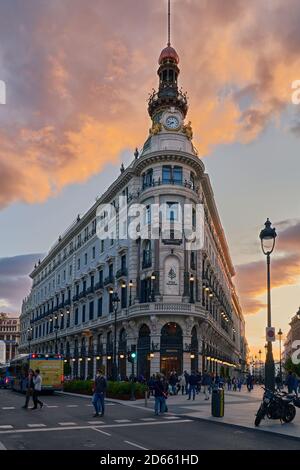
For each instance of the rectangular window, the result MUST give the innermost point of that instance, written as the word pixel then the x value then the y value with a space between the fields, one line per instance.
pixel 123 262
pixel 110 303
pixel 177 175
pixel 123 297
pixel 83 313
pixel 76 316
pixel 102 246
pixel 78 263
pixel 111 270
pixel 166 174
pixel 100 307
pixel 70 270
pixel 93 252
pixel 91 310
pixel 85 258
pixel 172 211
pixel 101 277
pixel 148 215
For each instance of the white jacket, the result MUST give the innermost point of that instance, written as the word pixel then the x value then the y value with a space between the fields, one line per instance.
pixel 37 380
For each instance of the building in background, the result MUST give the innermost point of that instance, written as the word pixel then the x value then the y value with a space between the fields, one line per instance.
pixel 177 306
pixel 10 334
pixel 293 335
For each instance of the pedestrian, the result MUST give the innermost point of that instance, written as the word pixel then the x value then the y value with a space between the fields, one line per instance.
pixel 29 387
pixel 186 377
pixel 234 383
pixel 182 384
pixel 173 381
pixel 199 380
pixel 239 384
pixel 192 385
pixel 37 384
pixel 159 395
pixel 290 382
pixel 295 384
pixel 206 381
pixel 229 384
pixel 278 382
pixel 249 383
pixel 99 394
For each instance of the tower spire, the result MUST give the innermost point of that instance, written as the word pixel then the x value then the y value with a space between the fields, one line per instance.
pixel 169 23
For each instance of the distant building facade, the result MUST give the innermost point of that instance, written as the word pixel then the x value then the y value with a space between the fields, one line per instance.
pixel 10 334
pixel 293 335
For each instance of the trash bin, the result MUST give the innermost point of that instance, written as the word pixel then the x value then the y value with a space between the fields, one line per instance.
pixel 217 403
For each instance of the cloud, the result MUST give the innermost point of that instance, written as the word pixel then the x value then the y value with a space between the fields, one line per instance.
pixel 251 277
pixel 14 280
pixel 78 74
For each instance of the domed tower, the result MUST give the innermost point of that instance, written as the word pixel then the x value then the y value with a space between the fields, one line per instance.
pixel 168 106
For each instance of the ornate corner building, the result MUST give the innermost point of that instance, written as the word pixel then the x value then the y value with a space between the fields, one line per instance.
pixel 177 307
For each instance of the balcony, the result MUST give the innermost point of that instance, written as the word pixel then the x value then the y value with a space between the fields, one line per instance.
pixel 159 182
pixel 75 298
pixel 90 291
pixel 82 294
pixel 98 286
pixel 121 272
pixel 109 280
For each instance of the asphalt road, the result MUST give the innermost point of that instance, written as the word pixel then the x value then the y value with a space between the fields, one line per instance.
pixel 67 423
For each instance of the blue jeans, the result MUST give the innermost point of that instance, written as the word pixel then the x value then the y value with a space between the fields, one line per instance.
pixel 98 402
pixel 160 405
pixel 192 389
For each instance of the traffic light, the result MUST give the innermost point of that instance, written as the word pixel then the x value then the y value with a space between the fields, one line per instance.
pixel 131 355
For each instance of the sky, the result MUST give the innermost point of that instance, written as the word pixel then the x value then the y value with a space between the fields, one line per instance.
pixel 78 75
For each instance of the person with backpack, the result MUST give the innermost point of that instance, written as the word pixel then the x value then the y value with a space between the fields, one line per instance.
pixel 37 384
pixel 28 387
pixel 192 385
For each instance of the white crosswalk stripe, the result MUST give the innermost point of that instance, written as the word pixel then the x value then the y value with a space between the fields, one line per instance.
pixel 52 406
pixel 72 406
pixel 6 426
pixel 122 420
pixel 171 417
pixel 67 424
pixel 148 419
pixel 96 423
pixel 8 407
pixel 36 425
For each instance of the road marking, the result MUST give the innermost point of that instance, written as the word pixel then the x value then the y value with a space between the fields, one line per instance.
pixel 96 422
pixel 2 446
pixel 67 424
pixel 89 405
pixel 171 417
pixel 72 406
pixel 8 407
pixel 52 406
pixel 136 445
pixel 62 428
pixel 102 432
pixel 148 419
pixel 6 426
pixel 36 425
pixel 122 420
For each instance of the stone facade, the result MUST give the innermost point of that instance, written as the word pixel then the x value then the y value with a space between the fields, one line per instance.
pixel 178 306
pixel 9 333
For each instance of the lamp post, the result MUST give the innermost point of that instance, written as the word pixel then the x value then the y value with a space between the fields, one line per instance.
pixel 153 277
pixel 130 292
pixel 29 337
pixel 192 279
pixel 280 333
pixel 115 302
pixel 56 332
pixel 267 237
pixel 259 352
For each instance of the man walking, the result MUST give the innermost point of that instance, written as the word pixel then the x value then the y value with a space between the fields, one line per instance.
pixel 99 394
pixel 192 385
pixel 29 386
pixel 37 381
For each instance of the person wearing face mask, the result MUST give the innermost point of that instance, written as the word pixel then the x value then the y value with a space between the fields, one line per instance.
pixel 99 394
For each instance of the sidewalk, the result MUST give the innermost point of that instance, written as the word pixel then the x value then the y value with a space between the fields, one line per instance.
pixel 240 410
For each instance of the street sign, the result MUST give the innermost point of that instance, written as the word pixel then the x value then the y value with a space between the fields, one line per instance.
pixel 270 333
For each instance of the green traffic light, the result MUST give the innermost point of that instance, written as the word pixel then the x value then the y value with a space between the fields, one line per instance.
pixel 133 355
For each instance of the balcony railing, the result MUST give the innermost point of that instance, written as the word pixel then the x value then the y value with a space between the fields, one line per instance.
pixel 159 182
pixel 121 272
pixel 99 285
pixel 109 280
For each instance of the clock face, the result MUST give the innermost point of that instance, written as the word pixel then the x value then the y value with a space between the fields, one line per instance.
pixel 172 122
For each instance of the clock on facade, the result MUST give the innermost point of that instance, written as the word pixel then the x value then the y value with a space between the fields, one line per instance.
pixel 172 122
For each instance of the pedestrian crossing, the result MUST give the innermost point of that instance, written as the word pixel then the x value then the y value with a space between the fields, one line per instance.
pixel 7 427
pixel 6 408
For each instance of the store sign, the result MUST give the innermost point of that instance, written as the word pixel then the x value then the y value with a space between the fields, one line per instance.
pixel 2 352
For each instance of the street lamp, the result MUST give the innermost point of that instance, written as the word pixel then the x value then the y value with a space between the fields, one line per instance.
pixel 130 289
pixel 267 237
pixel 192 279
pixel 153 277
pixel 115 301
pixel 56 327
pixel 259 352
pixel 280 333
pixel 29 337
